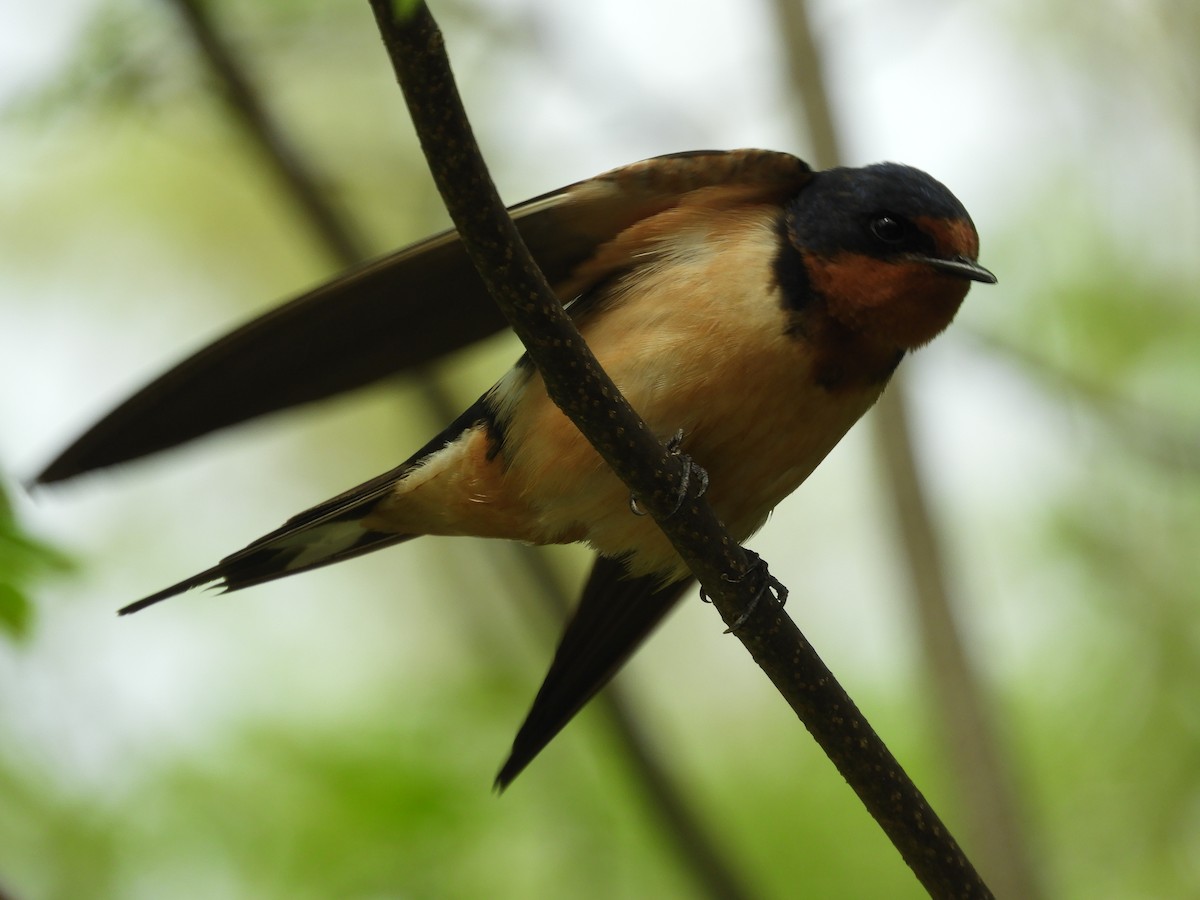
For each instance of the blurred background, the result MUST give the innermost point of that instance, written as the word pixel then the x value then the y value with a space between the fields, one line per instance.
pixel 335 735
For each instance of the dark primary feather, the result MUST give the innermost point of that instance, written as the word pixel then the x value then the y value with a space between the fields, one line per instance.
pixel 615 616
pixel 393 314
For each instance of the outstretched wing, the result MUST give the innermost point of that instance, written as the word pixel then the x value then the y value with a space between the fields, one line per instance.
pixel 400 311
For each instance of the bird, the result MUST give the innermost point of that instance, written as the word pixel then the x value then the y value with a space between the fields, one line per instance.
pixel 750 308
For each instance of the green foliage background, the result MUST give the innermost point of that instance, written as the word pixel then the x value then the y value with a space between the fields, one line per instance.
pixel 337 736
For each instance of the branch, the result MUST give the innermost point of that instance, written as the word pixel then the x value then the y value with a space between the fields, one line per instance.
pixel 576 382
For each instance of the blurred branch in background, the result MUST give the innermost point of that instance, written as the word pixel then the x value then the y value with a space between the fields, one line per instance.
pixel 1152 434
pixel 336 232
pixel 298 178
pixel 984 784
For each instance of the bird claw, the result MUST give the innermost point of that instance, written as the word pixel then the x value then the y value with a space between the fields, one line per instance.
pixel 770 585
pixel 690 470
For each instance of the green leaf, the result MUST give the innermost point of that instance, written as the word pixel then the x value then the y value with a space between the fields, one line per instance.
pixel 22 561
pixel 16 612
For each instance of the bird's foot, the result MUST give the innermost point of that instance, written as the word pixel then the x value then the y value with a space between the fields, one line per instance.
pixel 691 473
pixel 770 585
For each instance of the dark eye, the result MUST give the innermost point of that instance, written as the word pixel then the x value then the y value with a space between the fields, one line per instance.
pixel 889 229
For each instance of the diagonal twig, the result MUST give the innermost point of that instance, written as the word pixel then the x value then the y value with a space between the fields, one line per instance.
pixel 575 381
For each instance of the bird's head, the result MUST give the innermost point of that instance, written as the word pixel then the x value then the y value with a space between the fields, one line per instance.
pixel 889 250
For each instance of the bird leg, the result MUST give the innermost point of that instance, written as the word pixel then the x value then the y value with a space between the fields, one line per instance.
pixel 690 469
pixel 770 585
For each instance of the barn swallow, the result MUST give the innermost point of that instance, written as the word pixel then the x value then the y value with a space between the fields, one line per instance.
pixel 739 298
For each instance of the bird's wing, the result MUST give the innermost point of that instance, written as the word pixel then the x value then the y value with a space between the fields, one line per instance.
pixel 400 311
pixel 615 616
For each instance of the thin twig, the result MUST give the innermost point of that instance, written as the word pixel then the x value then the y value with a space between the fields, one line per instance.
pixel 970 739
pixel 697 850
pixel 576 382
